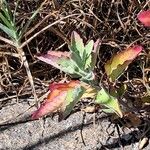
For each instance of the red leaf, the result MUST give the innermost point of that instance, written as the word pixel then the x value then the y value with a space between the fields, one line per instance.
pixel 54 86
pixel 55 98
pixel 144 17
pixel 52 103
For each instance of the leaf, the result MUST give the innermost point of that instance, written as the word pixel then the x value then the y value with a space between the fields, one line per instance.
pixel 90 91
pixel 9 32
pixel 88 62
pixel 107 110
pixel 53 57
pixel 24 29
pixel 71 84
pixel 87 52
pixel 89 47
pixel 77 60
pixel 115 67
pixel 73 96
pixel 144 18
pixel 95 53
pixel 60 60
pixel 77 45
pixel 133 120
pixel 55 98
pixel 7 11
pixel 6 22
pixel 104 98
pixel 53 102
pixel 68 66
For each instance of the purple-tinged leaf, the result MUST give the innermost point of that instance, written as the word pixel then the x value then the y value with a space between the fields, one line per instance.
pixel 95 53
pixel 53 57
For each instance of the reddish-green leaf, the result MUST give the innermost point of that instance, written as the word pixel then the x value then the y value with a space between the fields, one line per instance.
pixel 60 60
pixel 95 53
pixel 53 57
pixel 115 67
pixel 55 99
pixel 73 96
pixel 53 102
pixel 63 97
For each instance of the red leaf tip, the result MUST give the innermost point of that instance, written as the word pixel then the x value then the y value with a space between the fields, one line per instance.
pixel 144 18
pixel 137 48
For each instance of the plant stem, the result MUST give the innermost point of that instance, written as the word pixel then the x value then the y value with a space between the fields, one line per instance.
pixel 26 65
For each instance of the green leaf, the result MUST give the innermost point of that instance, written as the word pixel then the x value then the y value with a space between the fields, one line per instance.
pixel 68 66
pixel 108 101
pixel 73 96
pixel 6 22
pixel 87 54
pixel 77 45
pixel 89 47
pixel 116 66
pixel 88 76
pixel 88 62
pixel 7 11
pixel 77 59
pixel 9 32
pixel 107 110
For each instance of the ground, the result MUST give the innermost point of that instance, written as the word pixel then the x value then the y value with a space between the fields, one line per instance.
pixel 80 131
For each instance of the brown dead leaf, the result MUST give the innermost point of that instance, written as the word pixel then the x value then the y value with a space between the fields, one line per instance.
pixel 133 120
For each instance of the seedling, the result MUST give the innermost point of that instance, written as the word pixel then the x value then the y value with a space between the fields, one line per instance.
pixel 79 63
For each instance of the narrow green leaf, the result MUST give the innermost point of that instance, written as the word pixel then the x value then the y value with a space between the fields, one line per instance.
pixel 7 11
pixel 89 47
pixel 88 62
pixel 73 96
pixel 9 32
pixel 87 54
pixel 77 59
pixel 108 101
pixel 28 23
pixel 77 45
pixel 6 22
pixel 107 110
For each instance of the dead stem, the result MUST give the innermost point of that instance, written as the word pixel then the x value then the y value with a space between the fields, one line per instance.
pixel 26 65
pixel 45 28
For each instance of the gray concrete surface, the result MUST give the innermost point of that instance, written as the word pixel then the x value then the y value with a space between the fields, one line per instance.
pixel 70 134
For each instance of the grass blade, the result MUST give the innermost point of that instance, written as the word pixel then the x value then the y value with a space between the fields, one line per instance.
pixel 9 32
pixel 6 22
pixel 29 22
